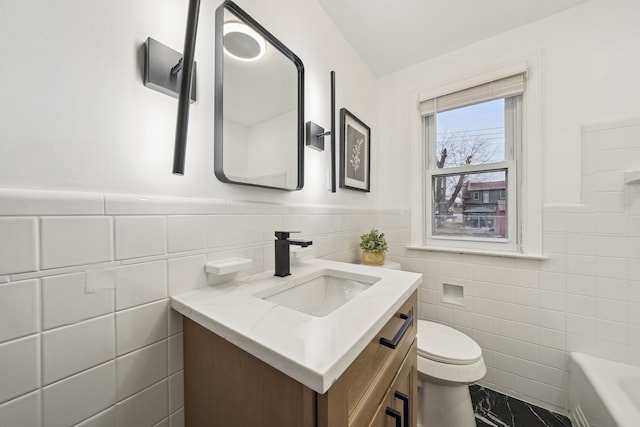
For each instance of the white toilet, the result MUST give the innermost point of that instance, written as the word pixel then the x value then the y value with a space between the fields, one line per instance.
pixel 448 361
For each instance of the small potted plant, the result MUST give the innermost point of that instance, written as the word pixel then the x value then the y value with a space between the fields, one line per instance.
pixel 373 245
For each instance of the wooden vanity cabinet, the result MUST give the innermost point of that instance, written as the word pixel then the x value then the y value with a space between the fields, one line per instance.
pixel 226 386
pixel 396 408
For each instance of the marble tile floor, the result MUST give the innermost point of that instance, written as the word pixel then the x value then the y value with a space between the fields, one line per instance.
pixel 493 409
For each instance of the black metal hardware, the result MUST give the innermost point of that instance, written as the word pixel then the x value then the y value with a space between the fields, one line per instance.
pixel 333 131
pixel 282 258
pixel 182 124
pixel 303 243
pixel 162 66
pixel 395 415
pixel 405 406
pixel 178 67
pixel 396 339
pixel 315 136
pixel 284 234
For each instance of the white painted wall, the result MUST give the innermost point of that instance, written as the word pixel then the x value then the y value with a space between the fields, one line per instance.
pixel 528 314
pixel 235 152
pixel 74 265
pixel 272 148
pixel 589 69
pixel 76 116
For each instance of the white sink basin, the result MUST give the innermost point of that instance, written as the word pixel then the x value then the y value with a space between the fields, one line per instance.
pixel 321 293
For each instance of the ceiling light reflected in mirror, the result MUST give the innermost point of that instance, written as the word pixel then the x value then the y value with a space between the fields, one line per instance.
pixel 242 42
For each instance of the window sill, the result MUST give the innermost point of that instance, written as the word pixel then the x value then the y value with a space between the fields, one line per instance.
pixel 504 254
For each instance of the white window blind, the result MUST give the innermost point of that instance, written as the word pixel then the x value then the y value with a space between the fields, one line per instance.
pixel 502 88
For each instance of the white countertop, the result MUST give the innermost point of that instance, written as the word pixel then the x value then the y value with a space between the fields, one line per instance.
pixel 313 350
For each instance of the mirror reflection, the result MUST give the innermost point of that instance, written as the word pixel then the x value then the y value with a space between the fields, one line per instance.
pixel 259 139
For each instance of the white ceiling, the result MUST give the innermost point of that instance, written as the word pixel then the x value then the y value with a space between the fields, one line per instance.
pixel 394 34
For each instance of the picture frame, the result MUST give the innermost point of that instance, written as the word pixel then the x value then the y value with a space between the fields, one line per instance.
pixel 355 152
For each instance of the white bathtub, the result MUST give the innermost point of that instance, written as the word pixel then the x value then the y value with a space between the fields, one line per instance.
pixel 603 393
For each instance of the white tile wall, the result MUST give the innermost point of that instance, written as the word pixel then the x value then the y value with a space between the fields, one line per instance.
pixel 141 283
pixel 19 245
pixel 140 326
pixel 65 300
pixel 176 391
pixel 145 408
pixel 92 342
pixel 67 241
pixel 139 236
pixel 175 322
pixel 187 274
pixel 19 309
pixel 23 411
pixel 40 202
pixel 176 356
pixel 186 233
pixel 232 230
pixel 87 337
pixel 103 419
pixel 79 397
pixel 140 369
pixel 177 418
pixel 19 367
pixel 99 278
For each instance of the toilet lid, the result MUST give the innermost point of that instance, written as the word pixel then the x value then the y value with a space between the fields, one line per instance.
pixel 446 345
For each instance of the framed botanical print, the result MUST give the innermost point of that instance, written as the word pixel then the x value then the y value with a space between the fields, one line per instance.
pixel 355 152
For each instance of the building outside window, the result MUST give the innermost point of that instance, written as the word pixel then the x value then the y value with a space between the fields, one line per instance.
pixel 487 217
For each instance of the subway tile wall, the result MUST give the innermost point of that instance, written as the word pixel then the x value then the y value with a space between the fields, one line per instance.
pixel 87 335
pixel 527 315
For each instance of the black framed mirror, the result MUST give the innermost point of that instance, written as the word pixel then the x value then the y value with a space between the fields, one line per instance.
pixel 259 105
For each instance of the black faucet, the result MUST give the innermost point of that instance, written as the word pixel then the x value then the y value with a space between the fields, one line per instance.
pixel 282 242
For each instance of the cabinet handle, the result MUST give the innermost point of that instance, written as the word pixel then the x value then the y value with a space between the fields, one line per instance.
pixel 405 406
pixel 395 415
pixel 396 339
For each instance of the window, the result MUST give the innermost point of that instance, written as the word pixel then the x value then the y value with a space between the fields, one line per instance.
pixel 472 142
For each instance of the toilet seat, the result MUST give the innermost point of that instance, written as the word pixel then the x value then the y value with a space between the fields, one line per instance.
pixel 443 344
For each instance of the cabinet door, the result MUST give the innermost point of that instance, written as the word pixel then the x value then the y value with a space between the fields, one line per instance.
pixel 226 386
pixel 398 408
pixel 378 364
pixel 404 391
pixel 365 383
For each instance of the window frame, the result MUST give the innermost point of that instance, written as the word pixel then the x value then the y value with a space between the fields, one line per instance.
pixel 513 142
pixel 530 171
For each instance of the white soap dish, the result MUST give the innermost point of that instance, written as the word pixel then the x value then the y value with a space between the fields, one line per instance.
pixel 227 266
